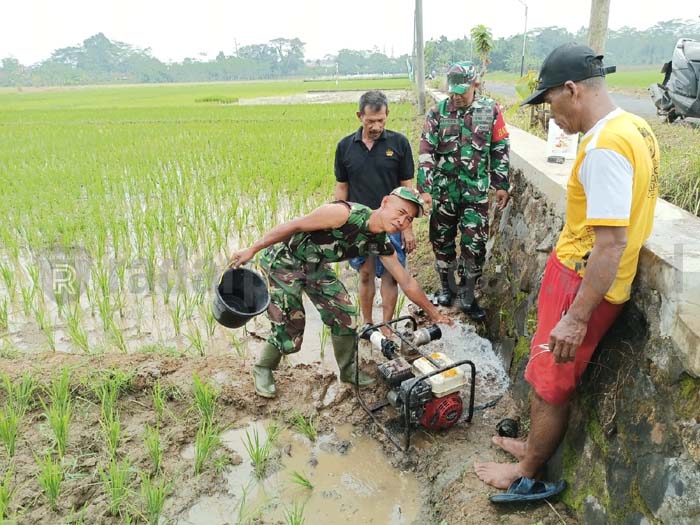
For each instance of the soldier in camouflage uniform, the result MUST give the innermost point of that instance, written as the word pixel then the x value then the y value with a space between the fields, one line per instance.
pixel 296 259
pixel 463 151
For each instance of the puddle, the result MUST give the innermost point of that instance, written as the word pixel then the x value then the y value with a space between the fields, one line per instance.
pixel 351 477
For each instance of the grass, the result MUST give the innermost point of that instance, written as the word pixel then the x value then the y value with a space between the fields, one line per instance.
pixel 50 478
pixel 259 452
pixel 305 426
pixel 154 492
pixel 116 480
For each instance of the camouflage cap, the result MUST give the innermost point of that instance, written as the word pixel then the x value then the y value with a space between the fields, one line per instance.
pixel 460 77
pixel 411 195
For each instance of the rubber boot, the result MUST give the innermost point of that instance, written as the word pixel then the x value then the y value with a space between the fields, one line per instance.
pixel 475 312
pixel 467 302
pixel 465 292
pixel 445 297
pixel 262 371
pixel 344 350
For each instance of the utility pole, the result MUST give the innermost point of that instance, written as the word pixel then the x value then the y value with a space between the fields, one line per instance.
pixel 522 58
pixel 598 26
pixel 420 57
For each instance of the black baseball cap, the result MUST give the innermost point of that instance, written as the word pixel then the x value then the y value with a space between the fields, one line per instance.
pixel 570 61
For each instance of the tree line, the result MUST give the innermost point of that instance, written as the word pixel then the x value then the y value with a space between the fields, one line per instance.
pixel 101 60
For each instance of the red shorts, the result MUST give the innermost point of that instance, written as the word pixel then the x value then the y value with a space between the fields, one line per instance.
pixel 555 382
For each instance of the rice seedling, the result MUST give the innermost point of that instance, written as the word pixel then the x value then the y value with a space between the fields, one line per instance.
pixel 247 514
pixel 154 491
pixel 273 429
pixel 155 452
pixel 176 312
pixel 20 395
pixel 209 319
pixel 299 479
pixel 116 480
pixel 58 412
pixel 400 302
pixel 117 337
pixel 158 397
pixel 112 430
pixel 28 294
pixel 324 335
pixel 259 452
pixel 76 332
pixel 238 346
pixel 4 314
pixel 196 340
pixel 295 515
pixel 9 428
pixel 50 478
pixel 8 277
pixel 108 390
pixel 6 492
pixel 205 443
pixel 104 306
pixel 204 399
pixel 305 426
pixel 44 323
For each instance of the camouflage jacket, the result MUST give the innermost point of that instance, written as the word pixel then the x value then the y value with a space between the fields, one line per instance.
pixel 469 143
pixel 352 239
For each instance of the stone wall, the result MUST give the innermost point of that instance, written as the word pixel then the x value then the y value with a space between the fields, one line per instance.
pixel 632 452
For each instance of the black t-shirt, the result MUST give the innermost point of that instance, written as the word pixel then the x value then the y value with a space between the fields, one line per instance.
pixel 372 174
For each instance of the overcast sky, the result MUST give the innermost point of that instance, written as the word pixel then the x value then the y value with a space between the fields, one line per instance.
pixel 174 29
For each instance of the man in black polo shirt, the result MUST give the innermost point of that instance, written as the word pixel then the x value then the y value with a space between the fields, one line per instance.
pixel 368 165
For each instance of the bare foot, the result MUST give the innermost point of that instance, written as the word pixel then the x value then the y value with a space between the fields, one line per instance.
pixel 386 331
pixel 499 475
pixel 515 447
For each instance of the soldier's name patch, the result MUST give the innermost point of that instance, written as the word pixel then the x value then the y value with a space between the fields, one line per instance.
pixel 447 122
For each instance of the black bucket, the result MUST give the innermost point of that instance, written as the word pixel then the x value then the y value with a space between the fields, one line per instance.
pixel 240 295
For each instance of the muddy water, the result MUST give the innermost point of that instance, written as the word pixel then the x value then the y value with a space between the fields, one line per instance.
pixel 352 482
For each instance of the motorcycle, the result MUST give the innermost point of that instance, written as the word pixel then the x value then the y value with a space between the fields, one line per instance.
pixel 678 96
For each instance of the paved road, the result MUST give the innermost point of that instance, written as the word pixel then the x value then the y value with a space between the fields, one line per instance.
pixel 642 106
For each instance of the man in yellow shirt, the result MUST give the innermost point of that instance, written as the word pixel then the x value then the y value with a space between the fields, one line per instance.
pixel 610 201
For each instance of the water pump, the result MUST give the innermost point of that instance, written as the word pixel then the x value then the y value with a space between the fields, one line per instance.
pixel 424 387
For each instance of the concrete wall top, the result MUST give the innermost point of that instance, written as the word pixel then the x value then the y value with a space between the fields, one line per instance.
pixel 670 259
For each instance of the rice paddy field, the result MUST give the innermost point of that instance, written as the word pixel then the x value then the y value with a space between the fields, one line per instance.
pixel 122 400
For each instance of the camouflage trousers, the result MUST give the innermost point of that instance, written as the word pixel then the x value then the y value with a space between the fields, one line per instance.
pixel 287 281
pixel 463 206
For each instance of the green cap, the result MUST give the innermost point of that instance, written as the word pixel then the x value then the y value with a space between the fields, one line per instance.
pixel 410 195
pixel 460 77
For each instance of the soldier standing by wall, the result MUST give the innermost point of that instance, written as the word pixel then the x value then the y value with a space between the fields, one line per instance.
pixel 463 152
